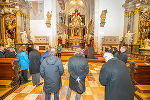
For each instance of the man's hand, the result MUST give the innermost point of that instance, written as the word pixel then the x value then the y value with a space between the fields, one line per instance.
pixel 78 79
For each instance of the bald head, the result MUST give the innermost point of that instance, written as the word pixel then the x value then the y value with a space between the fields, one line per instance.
pixel 79 51
pixel 52 51
pixel 107 56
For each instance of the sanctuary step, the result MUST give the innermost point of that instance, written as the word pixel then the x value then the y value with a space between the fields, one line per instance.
pixel 4 91
pixel 142 96
pixel 143 88
pixel 5 83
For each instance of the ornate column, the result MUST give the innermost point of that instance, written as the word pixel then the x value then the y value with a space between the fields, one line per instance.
pixel 125 23
pixel 28 25
pixel 136 26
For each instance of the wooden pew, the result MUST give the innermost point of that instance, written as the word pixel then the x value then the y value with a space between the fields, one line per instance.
pixel 140 74
pixel 9 76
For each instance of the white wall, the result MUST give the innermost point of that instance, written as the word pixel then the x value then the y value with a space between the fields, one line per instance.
pixel 114 18
pixel 39 28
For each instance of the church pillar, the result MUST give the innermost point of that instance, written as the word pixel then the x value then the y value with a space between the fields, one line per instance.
pixel 53 25
pixel 18 27
pixel 135 28
pixel 97 34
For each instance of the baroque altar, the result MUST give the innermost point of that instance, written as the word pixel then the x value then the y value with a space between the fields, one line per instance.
pixel 76 30
pixel 137 21
pixel 14 22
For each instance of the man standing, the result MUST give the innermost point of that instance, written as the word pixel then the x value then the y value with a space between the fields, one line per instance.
pixel 59 50
pixel 34 66
pixel 45 54
pixel 78 69
pixel 51 70
pixel 123 56
pixel 115 76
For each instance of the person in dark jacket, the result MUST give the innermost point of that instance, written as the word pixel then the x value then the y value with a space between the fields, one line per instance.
pixel 115 76
pixel 59 48
pixel 108 49
pixel 51 70
pixel 78 69
pixel 45 54
pixel 115 52
pixel 29 49
pixel 2 52
pixel 34 66
pixel 10 53
pixel 123 56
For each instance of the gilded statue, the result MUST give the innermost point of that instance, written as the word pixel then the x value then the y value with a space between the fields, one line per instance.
pixel 48 20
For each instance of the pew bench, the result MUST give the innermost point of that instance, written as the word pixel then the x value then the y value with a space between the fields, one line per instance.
pixel 9 76
pixel 140 74
pixel 143 92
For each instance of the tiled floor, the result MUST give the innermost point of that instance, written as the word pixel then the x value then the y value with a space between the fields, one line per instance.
pixel 94 90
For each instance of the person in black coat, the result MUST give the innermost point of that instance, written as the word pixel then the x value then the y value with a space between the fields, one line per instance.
pixel 34 66
pixel 29 49
pixel 123 56
pixel 78 69
pixel 51 70
pixel 115 76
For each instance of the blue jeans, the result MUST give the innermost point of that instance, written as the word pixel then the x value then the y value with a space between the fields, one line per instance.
pixel 48 96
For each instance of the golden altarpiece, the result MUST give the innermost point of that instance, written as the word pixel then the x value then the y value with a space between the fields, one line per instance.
pixel 137 28
pixel 76 30
pixel 14 23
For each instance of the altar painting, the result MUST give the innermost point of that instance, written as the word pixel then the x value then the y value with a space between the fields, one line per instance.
pixel 10 26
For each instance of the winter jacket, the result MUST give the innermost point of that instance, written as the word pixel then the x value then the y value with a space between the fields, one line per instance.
pixel 23 60
pixel 51 70
pixel 34 64
pixel 77 67
pixel 115 76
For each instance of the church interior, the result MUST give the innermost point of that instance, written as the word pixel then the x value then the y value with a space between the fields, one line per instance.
pixel 74 24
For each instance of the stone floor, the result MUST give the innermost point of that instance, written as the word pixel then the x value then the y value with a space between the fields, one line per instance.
pixel 94 90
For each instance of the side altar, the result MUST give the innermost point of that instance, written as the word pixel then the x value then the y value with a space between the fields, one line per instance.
pixel 14 22
pixel 137 27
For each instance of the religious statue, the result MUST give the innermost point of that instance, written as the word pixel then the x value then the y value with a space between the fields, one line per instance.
pixel 129 37
pixel 9 41
pixel 48 20
pixel 147 43
pixel 103 17
pixel 24 37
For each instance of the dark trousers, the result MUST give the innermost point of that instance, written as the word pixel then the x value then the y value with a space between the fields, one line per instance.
pixel 59 55
pixel 48 96
pixel 85 56
pixel 24 76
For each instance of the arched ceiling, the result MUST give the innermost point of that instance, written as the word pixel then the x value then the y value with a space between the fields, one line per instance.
pixel 71 5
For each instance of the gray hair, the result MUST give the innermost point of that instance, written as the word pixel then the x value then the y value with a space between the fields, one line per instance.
pixel 52 51
pixel 107 56
pixel 79 51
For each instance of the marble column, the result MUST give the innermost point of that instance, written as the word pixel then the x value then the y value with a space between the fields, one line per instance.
pixel 125 25
pixel 97 34
pixel 135 28
pixel 18 28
